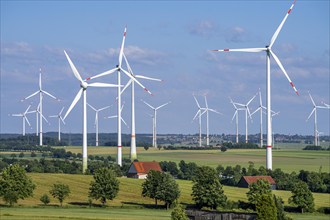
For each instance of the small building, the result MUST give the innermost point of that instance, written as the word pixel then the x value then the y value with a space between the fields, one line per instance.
pixel 245 181
pixel 139 170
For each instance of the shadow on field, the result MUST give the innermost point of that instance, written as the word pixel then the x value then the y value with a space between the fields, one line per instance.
pixel 86 204
pixel 148 206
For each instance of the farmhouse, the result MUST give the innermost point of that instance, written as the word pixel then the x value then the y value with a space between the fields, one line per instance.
pixel 139 170
pixel 245 181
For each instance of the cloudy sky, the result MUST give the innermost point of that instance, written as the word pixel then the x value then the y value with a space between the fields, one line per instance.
pixel 170 40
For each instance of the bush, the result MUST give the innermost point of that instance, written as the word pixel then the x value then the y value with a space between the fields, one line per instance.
pixel 45 199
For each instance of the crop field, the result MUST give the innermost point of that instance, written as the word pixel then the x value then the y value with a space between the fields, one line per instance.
pixel 287 159
pixel 129 204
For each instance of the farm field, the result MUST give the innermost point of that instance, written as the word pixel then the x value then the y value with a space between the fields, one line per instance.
pixel 287 159
pixel 129 204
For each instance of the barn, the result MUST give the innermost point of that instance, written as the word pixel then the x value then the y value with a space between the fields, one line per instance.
pixel 245 181
pixel 139 170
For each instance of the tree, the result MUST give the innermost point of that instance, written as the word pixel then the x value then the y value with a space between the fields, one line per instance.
pixel 280 208
pixel 161 186
pixel 167 190
pixel 257 189
pixel 302 197
pixel 179 213
pixel 15 184
pixel 149 186
pixel 60 191
pixel 45 199
pixel 207 190
pixel 105 185
pixel 266 208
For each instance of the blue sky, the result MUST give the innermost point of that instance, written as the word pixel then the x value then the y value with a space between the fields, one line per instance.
pixel 170 40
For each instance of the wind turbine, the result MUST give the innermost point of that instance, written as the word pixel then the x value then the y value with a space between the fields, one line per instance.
pixel 41 92
pixel 268 50
pixel 207 109
pixel 96 123
pixel 38 113
pixel 247 114
pixel 260 108
pixel 116 116
pixel 131 82
pixel 24 118
pixel 154 139
pixel 315 107
pixel 199 114
pixel 60 119
pixel 82 91
pixel 119 69
pixel 236 115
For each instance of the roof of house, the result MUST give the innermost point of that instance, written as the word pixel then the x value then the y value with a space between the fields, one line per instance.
pixel 145 167
pixel 253 179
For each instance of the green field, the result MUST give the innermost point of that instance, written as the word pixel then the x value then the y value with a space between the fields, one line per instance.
pixel 287 159
pixel 129 204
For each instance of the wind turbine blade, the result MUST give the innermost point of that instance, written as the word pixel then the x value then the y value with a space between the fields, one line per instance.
pixel 251 50
pixel 124 122
pixel 215 111
pixel 251 99
pixel 260 99
pixel 91 107
pixel 281 25
pixel 196 102
pixel 53 116
pixel 40 78
pixel 311 98
pixel 44 118
pixel 206 102
pixel 162 105
pixel 205 110
pixel 236 103
pixel 74 102
pixel 126 86
pixel 196 114
pixel 148 78
pixel 26 119
pixel 147 104
pixel 74 69
pixel 311 113
pixel 283 70
pixel 96 118
pixel 27 109
pixel 101 109
pixel 122 48
pixel 114 116
pixel 62 120
pixel 61 111
pixel 31 95
pixel 108 72
pixel 234 115
pixel 48 94
pixel 97 84
pixel 135 80
pixel 16 115
pixel 256 111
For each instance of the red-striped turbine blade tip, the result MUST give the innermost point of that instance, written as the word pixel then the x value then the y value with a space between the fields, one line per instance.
pixel 226 50
pixel 88 78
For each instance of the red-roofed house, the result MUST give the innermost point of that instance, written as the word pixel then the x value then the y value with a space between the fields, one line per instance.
pixel 139 170
pixel 245 181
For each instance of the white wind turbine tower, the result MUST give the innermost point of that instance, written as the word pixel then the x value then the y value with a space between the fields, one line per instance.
pixel 82 91
pixel 131 82
pixel 96 123
pixel 315 107
pixel 119 69
pixel 269 52
pixel 154 138
pixel 24 118
pixel 207 109
pixel 236 115
pixel 199 113
pixel 60 119
pixel 247 114
pixel 41 92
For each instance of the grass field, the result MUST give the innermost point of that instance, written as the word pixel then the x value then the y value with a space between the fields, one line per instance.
pixel 287 159
pixel 129 204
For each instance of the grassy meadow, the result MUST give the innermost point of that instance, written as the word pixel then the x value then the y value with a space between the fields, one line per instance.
pixel 287 159
pixel 129 204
